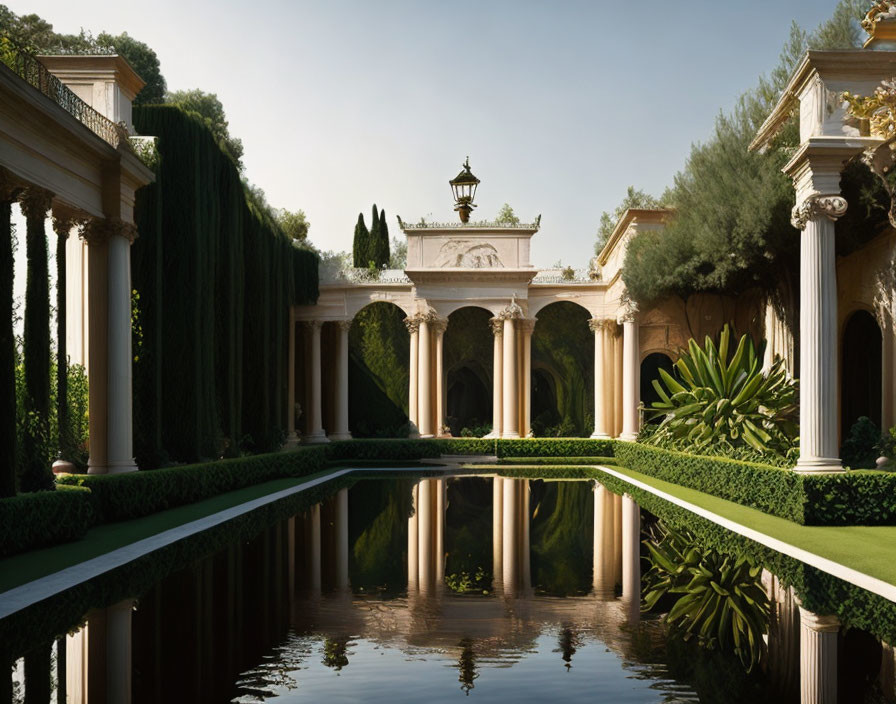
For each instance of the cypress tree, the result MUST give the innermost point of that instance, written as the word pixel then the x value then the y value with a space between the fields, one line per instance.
pixel 383 253
pixel 373 241
pixel 360 243
pixel 36 474
pixel 7 349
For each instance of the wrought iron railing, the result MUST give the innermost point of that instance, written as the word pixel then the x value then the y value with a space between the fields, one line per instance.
pixel 29 68
pixel 363 276
pixel 485 224
pixel 567 276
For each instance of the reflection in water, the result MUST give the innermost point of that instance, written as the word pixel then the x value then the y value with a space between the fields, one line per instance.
pixel 348 601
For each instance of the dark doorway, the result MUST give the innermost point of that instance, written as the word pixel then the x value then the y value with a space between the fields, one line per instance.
pixel 468 352
pixel 544 402
pixel 860 371
pixel 650 370
pixel 469 401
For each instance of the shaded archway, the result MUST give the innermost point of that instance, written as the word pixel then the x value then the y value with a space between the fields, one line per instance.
pixel 563 345
pixel 861 379
pixel 544 401
pixel 379 352
pixel 650 370
pixel 468 352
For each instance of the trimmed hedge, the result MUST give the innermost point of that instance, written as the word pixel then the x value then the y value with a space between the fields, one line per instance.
pixel 404 449
pixel 42 518
pixel 558 461
pixel 120 497
pixel 849 498
pixel 556 447
pixel 769 489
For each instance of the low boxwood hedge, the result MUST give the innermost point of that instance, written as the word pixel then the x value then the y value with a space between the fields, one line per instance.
pixel 555 447
pixel 852 498
pixel 119 497
pixel 558 461
pixel 42 518
pixel 403 449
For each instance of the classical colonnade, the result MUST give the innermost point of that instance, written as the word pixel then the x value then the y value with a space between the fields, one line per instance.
pixel 617 360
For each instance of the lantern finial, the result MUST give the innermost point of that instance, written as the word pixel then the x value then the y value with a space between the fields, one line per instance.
pixel 464 188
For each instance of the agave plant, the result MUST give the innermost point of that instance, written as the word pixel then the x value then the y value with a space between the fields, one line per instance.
pixel 717 598
pixel 725 398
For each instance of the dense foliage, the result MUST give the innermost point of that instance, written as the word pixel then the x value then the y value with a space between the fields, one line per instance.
pixel 7 356
pixel 208 109
pixel 732 231
pixel 718 599
pixel 634 198
pixel 723 399
pixel 37 519
pixel 215 279
pixel 370 248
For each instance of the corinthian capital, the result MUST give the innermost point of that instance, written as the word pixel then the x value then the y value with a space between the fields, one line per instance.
pixel 96 231
pixel 831 206
pixel 35 202
pixel 412 323
pixel 601 324
pixel 497 325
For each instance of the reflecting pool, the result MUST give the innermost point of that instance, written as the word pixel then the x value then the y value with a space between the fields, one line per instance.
pixel 395 589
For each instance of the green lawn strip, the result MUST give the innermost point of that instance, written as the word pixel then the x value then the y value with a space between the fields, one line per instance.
pixel 867 549
pixel 21 569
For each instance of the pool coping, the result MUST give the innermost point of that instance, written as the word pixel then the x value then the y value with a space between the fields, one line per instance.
pixel 848 574
pixel 37 590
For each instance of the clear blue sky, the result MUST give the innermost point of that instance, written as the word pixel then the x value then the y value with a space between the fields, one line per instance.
pixel 560 105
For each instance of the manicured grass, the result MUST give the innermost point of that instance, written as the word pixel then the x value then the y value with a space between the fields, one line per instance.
pixel 868 549
pixel 23 568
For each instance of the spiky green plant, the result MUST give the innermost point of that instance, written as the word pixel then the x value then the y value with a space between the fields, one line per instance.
pixel 719 599
pixel 726 399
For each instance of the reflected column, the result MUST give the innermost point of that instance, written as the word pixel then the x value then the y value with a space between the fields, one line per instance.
pixel 413 535
pixel 341 521
pixel 497 326
pixel 312 548
pixel 441 489
pixel 818 658
pixel 604 551
pixel 510 537
pixel 425 535
pixel 526 547
pixel 631 557
pixel 497 531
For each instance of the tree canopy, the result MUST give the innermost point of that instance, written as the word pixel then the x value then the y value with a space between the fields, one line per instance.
pixel 294 224
pixel 634 198
pixel 506 216
pixel 211 112
pixel 732 229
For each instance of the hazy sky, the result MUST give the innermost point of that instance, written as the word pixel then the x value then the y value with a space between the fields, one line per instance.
pixel 560 105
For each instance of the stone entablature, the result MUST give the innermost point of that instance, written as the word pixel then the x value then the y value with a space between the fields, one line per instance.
pixel 472 246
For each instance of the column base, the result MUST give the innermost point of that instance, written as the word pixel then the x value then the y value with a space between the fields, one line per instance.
pixel 629 437
pixel 341 436
pixel 112 467
pixel 510 435
pixel 819 465
pixel 600 436
pixel 491 436
pixel 427 436
pixel 292 441
pixel 316 438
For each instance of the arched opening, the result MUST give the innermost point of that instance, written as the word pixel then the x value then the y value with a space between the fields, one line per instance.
pixel 861 379
pixel 379 357
pixel 650 370
pixel 563 348
pixel 468 354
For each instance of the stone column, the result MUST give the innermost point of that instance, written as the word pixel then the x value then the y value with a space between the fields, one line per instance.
pixel 604 552
pixel 341 521
pixel 527 328
pixel 602 362
pixel 316 432
pixel 292 438
pixel 631 373
pixel 510 537
pixel 424 379
pixel 497 377
pixel 616 345
pixel 439 325
pixel 413 325
pixel 819 447
pixel 497 530
pixel 425 534
pixel 342 431
pixel 96 236
pixel 511 410
pixel 818 658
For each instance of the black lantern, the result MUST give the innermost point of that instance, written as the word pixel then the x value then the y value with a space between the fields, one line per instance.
pixel 464 188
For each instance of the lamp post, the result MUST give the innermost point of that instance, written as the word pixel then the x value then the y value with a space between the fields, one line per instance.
pixel 464 188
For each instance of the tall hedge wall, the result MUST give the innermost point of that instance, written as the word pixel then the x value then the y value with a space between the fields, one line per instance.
pixel 213 280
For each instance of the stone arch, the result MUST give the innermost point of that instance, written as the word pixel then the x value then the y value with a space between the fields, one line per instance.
pixel 538 304
pixel 650 370
pixel 468 368
pixel 379 351
pixel 564 344
pixel 861 369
